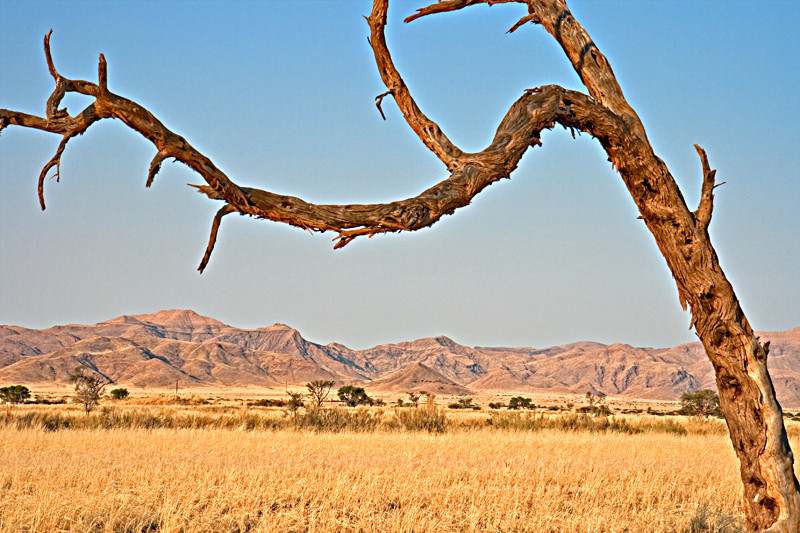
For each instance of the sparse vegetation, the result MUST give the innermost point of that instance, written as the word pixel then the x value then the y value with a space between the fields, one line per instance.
pixel 427 417
pixel 149 469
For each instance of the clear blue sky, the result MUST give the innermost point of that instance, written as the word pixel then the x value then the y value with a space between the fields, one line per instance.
pixel 280 95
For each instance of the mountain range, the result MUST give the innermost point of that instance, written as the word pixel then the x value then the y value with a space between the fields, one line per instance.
pixel 153 351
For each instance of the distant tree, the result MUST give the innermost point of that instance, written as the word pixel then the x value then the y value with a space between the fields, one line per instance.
pixel 520 402
pixel 15 394
pixel 700 403
pixel 596 403
pixel 119 394
pixel 354 396
pixel 320 389
pixel 414 397
pixel 88 388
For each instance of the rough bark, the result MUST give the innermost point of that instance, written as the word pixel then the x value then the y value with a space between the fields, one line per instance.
pixel 747 399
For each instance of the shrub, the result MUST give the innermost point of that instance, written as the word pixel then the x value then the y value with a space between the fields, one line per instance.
pixel 496 405
pixel 15 394
pixel 520 402
pixel 294 403
pixel 464 403
pixel 119 394
pixel 702 403
pixel 267 402
pixel 354 396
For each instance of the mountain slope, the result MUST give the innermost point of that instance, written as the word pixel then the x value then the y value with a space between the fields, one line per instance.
pixel 417 377
pixel 152 351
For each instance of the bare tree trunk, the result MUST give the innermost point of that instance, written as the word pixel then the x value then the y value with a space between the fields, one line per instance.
pixel 747 398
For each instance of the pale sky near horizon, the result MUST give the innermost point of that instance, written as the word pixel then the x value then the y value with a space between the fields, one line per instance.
pixel 281 96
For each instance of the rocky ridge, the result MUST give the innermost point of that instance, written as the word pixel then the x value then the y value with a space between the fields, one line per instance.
pixel 153 351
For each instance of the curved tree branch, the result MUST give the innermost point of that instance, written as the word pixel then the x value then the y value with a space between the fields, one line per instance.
pixel 470 173
pixel 427 130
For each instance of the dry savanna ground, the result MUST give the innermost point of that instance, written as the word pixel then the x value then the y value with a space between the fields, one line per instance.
pixel 237 469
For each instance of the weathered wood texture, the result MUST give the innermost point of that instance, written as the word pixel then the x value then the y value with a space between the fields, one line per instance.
pixel 771 490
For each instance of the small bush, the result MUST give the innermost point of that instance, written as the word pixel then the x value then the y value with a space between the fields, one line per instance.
pixel 464 403
pixel 267 402
pixel 119 394
pixel 702 403
pixel 521 402
pixel 354 396
pixel 14 394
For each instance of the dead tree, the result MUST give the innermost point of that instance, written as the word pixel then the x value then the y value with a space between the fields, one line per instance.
pixel 747 399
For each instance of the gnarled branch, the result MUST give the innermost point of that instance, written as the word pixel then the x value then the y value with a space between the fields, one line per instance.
pixel 470 173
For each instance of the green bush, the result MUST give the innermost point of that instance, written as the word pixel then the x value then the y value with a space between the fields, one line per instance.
pixel 520 402
pixel 702 403
pixel 354 396
pixel 14 394
pixel 119 394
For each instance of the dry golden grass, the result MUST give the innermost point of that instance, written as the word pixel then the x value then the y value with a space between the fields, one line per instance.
pixel 478 479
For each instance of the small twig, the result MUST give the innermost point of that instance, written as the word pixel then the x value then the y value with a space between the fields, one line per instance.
pixel 155 166
pixel 102 74
pixel 379 101
pixel 48 56
pixel 533 18
pixel 54 161
pixel 706 206
pixel 212 240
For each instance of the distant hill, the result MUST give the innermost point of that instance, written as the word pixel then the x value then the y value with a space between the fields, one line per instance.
pixel 152 351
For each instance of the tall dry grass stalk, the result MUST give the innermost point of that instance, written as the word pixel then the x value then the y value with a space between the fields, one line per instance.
pixel 217 480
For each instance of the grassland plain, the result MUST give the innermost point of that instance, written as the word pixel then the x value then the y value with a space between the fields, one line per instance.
pixel 472 477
